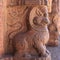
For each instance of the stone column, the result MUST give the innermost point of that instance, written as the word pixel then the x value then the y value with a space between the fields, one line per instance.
pixel 2 27
pixel 53 27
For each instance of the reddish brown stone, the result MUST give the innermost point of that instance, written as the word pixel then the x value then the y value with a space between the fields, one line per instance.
pixel 1 29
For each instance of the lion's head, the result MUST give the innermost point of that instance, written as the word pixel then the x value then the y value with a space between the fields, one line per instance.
pixel 39 17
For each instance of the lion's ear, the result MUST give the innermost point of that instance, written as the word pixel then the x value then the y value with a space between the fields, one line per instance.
pixel 38 12
pixel 35 12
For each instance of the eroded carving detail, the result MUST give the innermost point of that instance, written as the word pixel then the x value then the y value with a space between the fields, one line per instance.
pixel 16 17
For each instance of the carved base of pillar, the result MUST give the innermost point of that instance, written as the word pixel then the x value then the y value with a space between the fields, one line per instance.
pixel 17 57
pixel 53 43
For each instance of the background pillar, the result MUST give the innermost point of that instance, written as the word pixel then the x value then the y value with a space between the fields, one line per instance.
pixel 2 26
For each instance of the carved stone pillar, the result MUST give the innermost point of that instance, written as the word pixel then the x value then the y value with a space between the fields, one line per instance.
pixel 2 27
pixel 53 27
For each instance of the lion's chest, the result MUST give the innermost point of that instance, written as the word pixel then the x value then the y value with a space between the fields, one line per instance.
pixel 24 42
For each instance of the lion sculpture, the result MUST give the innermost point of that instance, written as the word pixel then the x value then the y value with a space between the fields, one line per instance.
pixel 32 42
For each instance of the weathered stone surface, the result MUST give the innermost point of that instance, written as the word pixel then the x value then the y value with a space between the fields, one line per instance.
pixel 15 21
pixel 29 2
pixel 12 2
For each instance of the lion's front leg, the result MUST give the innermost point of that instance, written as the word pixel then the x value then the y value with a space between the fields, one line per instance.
pixel 40 48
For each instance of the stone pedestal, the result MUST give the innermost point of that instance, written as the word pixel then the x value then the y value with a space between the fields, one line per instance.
pixel 48 57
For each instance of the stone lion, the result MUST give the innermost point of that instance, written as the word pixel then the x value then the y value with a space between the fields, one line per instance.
pixel 32 42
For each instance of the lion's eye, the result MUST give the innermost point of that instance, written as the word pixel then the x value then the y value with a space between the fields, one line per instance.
pixel 45 15
pixel 35 21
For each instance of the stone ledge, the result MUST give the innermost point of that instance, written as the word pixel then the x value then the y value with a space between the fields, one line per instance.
pixel 41 58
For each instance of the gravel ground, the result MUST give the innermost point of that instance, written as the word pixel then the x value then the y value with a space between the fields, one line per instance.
pixel 55 52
